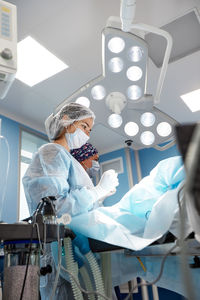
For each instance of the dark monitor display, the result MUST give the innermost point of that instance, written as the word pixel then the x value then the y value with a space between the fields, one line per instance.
pixel 187 135
pixel 183 135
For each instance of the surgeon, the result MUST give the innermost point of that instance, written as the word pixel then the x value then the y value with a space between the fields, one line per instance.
pixel 55 172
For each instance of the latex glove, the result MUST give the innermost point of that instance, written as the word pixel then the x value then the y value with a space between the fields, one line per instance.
pixel 109 180
pixel 106 185
pixel 103 198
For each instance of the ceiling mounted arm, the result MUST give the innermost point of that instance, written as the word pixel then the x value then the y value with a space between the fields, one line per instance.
pixel 127 13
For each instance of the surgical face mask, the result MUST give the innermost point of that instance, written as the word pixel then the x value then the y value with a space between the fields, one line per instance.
pixel 92 172
pixel 77 139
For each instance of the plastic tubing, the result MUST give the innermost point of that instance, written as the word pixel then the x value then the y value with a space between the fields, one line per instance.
pixel 72 267
pixel 87 282
pixel 59 263
pixel 96 272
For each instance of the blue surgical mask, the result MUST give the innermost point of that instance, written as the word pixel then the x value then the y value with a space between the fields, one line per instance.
pixel 92 172
pixel 77 139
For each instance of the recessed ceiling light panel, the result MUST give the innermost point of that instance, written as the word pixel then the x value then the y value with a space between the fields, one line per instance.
pixel 192 100
pixel 36 63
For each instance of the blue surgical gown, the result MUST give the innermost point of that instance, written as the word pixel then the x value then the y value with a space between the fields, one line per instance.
pixel 54 172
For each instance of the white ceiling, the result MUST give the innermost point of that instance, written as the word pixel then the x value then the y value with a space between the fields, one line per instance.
pixel 72 31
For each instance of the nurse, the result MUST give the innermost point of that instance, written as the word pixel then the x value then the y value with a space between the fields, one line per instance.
pixel 88 157
pixel 55 172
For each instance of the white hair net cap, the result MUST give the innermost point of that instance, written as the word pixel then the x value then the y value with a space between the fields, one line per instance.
pixel 55 123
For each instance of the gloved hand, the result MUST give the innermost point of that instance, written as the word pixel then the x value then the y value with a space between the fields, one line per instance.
pixel 109 180
pixel 107 184
pixel 100 201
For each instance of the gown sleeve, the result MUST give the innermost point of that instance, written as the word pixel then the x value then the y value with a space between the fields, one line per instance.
pixel 51 174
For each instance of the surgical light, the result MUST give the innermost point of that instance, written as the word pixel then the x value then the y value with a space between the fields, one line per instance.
pixel 135 54
pixel 84 101
pixel 147 119
pixel 164 129
pixel 115 120
pixel 116 64
pixel 131 128
pixel 134 92
pixel 147 138
pixel 134 73
pixel 122 86
pixel 98 92
pixel 116 45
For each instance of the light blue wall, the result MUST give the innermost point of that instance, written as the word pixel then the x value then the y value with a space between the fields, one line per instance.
pixel 123 178
pixel 11 131
pixel 150 157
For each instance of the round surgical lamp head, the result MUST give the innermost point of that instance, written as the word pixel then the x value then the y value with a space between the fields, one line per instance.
pixel 147 119
pixel 134 92
pixel 98 92
pixel 131 128
pixel 115 120
pixel 83 101
pixel 115 64
pixel 135 54
pixel 147 138
pixel 116 45
pixel 134 73
pixel 164 129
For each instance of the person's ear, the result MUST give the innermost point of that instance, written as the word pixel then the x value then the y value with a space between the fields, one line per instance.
pixel 70 128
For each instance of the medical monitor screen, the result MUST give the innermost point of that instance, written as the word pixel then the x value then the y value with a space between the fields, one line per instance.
pixel 183 135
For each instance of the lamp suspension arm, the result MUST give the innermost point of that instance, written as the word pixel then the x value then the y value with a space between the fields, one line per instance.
pixel 127 13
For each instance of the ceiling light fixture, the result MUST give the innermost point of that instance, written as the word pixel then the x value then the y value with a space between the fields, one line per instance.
pixel 192 100
pixel 36 63
pixel 120 92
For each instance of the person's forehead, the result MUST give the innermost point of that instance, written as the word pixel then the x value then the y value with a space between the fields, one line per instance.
pixel 93 157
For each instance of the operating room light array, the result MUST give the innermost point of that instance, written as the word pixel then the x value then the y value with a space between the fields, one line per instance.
pixel 119 97
pixel 125 65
